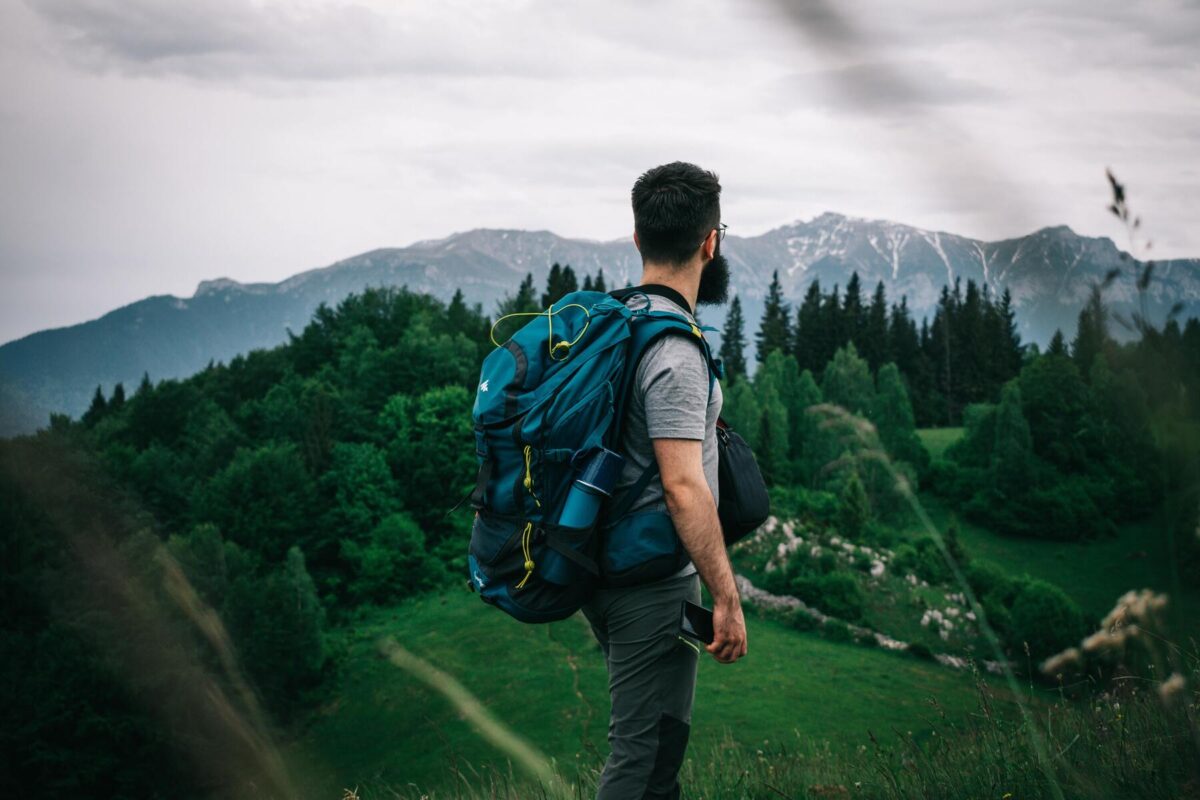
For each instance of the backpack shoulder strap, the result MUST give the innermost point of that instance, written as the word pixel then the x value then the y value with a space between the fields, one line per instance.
pixel 647 328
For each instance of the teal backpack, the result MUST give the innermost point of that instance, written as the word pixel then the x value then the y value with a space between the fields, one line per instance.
pixel 549 399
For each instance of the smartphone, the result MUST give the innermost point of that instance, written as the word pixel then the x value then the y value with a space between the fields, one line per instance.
pixel 696 621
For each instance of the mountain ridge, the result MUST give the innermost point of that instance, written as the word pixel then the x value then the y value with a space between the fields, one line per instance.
pixel 1049 271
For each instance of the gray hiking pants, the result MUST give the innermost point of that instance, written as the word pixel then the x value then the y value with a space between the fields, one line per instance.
pixel 651 681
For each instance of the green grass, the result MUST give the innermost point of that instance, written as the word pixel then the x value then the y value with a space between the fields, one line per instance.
pixel 383 729
pixel 1094 573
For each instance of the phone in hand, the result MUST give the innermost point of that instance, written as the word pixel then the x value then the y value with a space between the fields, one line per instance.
pixel 696 621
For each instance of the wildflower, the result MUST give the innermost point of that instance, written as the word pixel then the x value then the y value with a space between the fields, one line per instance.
pixel 877 568
pixel 1057 664
pixel 1171 688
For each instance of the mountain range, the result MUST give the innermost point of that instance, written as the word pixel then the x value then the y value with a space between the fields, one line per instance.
pixel 1049 272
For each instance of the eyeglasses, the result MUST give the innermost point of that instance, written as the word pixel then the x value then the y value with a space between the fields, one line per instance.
pixel 720 229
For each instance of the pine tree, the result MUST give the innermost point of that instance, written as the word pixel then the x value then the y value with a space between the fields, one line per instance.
pixel 118 397
pixel 847 381
pixel 96 409
pixel 832 332
pixel 598 285
pixel 1013 451
pixel 854 508
pixel 853 317
pixel 145 387
pixel 893 417
pixel 587 283
pixel 1057 346
pixel 569 282
pixel 525 300
pixel 875 330
pixel 774 331
pixel 458 316
pixel 1091 335
pixel 904 343
pixel 772 436
pixel 733 342
pixel 554 283
pixel 807 337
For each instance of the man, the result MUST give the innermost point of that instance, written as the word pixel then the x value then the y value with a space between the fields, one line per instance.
pixel 671 419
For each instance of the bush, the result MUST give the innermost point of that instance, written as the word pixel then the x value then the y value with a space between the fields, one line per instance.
pixel 1046 618
pixel 837 594
pixel 921 651
pixel 801 620
pixel 836 631
pixel 984 578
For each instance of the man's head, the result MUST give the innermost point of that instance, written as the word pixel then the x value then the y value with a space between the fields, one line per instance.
pixel 676 214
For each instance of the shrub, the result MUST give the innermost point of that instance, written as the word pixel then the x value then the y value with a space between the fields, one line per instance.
pixel 1046 618
pixel 921 651
pixel 836 631
pixel 801 620
pixel 984 578
pixel 837 594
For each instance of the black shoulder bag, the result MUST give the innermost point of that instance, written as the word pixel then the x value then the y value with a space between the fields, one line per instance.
pixel 743 503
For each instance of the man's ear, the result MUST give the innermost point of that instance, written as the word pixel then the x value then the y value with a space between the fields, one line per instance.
pixel 636 243
pixel 710 246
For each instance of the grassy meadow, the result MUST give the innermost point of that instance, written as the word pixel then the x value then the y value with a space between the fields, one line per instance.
pixel 382 729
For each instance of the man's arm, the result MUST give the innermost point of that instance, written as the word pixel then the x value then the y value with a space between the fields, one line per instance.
pixel 694 513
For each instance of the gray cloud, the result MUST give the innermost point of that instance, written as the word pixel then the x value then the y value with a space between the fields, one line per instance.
pixel 877 87
pixel 146 145
pixel 236 39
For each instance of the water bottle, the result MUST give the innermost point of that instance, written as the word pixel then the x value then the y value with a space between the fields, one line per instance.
pixel 594 483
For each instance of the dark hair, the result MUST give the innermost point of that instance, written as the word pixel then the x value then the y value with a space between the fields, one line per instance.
pixel 674 208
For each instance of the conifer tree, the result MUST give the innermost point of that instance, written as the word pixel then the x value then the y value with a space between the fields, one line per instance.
pixel 118 397
pixel 569 282
pixel 1091 335
pixel 587 283
pixel 733 342
pixel 96 409
pixel 1057 346
pixel 893 417
pixel 854 508
pixel 807 335
pixel 847 381
pixel 852 313
pixel 1013 451
pixel 554 285
pixel 525 300
pixel 832 332
pixel 598 285
pixel 875 330
pixel 774 332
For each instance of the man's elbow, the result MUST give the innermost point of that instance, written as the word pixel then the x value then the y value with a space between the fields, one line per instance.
pixel 684 492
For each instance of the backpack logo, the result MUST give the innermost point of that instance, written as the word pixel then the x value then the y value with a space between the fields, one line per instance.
pixel 483 386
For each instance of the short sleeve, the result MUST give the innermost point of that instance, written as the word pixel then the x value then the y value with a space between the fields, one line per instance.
pixel 673 378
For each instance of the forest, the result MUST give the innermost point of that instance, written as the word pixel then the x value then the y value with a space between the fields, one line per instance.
pixel 204 537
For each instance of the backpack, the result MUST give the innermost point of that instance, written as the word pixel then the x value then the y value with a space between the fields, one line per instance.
pixel 549 399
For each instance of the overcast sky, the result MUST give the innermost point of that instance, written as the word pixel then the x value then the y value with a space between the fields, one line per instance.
pixel 146 145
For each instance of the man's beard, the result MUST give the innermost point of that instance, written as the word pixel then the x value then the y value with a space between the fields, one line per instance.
pixel 714 280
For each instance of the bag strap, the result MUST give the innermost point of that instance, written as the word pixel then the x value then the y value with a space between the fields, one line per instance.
pixel 661 323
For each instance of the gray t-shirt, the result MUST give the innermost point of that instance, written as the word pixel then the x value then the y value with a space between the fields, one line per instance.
pixel 667 401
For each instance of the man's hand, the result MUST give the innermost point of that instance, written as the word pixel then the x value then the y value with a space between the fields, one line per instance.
pixel 690 502
pixel 729 632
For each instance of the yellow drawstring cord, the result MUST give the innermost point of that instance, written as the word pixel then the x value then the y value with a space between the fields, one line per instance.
pixel 528 558
pixel 551 345
pixel 529 478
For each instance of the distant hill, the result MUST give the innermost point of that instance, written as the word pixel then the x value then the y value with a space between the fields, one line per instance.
pixel 1049 273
